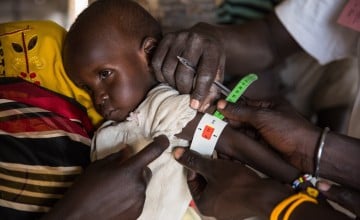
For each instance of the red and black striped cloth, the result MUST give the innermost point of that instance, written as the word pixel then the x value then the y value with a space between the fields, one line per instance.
pixel 44 145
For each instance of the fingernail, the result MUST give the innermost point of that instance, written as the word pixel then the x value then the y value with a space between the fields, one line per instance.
pixel 147 174
pixel 195 104
pixel 221 104
pixel 178 152
pixel 323 186
pixel 203 108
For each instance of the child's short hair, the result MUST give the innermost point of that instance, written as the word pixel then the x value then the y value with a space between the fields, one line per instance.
pixel 126 15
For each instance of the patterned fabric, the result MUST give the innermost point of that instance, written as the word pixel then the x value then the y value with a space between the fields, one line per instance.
pixel 31 50
pixel 44 146
pixel 240 11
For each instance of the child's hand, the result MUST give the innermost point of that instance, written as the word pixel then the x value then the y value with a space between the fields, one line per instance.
pixel 111 188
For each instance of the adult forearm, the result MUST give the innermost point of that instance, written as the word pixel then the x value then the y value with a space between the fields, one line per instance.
pixel 238 146
pixel 256 45
pixel 340 160
pixel 313 211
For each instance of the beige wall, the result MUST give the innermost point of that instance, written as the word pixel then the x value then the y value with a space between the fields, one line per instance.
pixel 11 10
pixel 172 14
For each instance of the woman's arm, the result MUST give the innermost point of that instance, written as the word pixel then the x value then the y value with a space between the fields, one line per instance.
pixel 256 154
pixel 233 191
pixel 256 45
pixel 245 149
pixel 251 47
pixel 298 140
pixel 339 161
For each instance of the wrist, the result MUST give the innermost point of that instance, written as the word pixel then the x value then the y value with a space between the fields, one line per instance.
pixel 308 149
pixel 274 196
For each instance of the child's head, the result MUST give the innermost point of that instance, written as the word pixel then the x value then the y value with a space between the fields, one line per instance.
pixel 107 52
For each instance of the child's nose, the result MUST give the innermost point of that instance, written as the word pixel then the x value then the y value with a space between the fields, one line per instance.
pixel 101 99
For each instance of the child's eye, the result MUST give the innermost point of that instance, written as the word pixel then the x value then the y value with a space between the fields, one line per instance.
pixel 104 74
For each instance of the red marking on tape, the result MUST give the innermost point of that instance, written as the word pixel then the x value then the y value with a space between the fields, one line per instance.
pixel 207 132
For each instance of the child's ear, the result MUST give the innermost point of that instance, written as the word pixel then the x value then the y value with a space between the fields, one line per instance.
pixel 149 44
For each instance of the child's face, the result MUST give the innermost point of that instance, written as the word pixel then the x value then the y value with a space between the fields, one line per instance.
pixel 113 69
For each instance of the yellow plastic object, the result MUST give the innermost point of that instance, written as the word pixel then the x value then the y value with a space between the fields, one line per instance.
pixel 32 50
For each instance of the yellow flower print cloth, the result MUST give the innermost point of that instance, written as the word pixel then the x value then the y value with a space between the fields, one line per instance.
pixel 32 50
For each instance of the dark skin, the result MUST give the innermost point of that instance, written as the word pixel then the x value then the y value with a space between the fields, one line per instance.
pixel 117 181
pixel 247 150
pixel 106 69
pixel 252 47
pixel 255 46
pixel 288 138
pixel 339 160
pixel 260 44
pixel 116 75
pixel 238 181
pixel 115 70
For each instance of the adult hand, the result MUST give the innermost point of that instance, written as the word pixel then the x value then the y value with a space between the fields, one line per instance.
pixel 111 188
pixel 346 197
pixel 201 46
pixel 230 190
pixel 279 125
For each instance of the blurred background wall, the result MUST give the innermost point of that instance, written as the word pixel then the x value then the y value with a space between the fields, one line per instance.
pixel 172 14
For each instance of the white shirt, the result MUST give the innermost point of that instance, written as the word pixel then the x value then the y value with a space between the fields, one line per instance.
pixel 164 111
pixel 312 23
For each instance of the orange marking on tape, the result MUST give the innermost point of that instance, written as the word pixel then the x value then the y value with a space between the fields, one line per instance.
pixel 207 132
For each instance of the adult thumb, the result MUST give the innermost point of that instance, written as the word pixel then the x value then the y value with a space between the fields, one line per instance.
pixel 236 113
pixel 150 152
pixel 191 160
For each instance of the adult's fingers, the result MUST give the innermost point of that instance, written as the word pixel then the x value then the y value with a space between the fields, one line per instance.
pixel 150 152
pixel 235 113
pixel 346 197
pixel 184 76
pixel 197 184
pixel 246 110
pixel 213 95
pixel 160 55
pixel 147 174
pixel 170 63
pixel 120 156
pixel 193 161
pixel 165 61
pixel 210 67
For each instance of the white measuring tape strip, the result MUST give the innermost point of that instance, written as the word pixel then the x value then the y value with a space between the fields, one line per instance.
pixel 207 134
pixel 210 127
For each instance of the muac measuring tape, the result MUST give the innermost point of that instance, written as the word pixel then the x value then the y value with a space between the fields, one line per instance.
pixel 210 127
